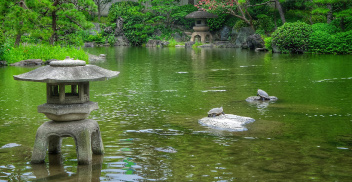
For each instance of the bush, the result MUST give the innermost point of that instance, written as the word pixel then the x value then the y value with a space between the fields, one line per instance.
pixel 121 9
pixel 2 42
pixel 265 23
pixel 180 13
pixel 217 23
pixel 44 52
pixel 136 26
pixel 292 37
pixel 321 41
pixel 268 42
pixel 240 23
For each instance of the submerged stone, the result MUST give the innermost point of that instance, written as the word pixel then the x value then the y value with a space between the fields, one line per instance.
pixel 257 98
pixel 227 122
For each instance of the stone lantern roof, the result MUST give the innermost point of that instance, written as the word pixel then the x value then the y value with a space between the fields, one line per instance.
pixel 67 70
pixel 201 14
pixel 67 88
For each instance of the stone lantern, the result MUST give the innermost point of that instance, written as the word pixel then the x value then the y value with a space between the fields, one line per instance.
pixel 68 105
pixel 201 30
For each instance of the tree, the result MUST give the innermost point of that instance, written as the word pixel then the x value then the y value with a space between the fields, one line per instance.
pixel 67 17
pixel 17 18
pixel 101 4
pixel 338 8
pixel 238 8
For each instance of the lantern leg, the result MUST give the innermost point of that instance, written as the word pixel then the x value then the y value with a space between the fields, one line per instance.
pixel 40 146
pixel 97 142
pixel 83 147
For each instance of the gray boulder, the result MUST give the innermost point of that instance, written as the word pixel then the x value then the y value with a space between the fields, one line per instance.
pixel 156 43
pixel 88 44
pixel 122 41
pixel 225 33
pixel 225 44
pixel 3 63
pixel 275 48
pixel 255 41
pixel 227 122
pixel 261 49
pixel 29 62
pixel 95 30
pixel 189 44
pixel 242 35
pixel 93 58
pixel 180 37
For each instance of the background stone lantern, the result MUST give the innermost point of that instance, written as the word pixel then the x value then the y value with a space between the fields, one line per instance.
pixel 201 30
pixel 68 106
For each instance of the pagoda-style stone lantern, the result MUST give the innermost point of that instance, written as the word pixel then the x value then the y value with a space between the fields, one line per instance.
pixel 68 106
pixel 201 30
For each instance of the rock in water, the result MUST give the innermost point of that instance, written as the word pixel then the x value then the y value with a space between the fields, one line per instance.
pixel 227 122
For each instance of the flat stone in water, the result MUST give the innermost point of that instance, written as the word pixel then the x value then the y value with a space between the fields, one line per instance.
pixel 257 98
pixel 10 145
pixel 227 122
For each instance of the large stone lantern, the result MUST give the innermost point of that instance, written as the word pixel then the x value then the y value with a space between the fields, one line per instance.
pixel 68 105
pixel 201 30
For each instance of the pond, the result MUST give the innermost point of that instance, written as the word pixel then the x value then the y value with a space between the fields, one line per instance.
pixel 149 116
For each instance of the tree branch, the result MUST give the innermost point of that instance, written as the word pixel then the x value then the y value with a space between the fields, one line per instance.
pixel 261 3
pixel 74 21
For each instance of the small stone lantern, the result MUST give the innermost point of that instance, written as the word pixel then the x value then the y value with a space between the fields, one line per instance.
pixel 68 106
pixel 201 30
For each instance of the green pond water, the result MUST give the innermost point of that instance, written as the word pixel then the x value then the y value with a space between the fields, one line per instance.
pixel 149 115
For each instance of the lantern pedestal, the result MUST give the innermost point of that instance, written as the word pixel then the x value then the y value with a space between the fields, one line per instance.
pixel 86 134
pixel 67 112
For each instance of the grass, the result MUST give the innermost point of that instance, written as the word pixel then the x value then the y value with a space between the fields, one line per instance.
pixel 43 52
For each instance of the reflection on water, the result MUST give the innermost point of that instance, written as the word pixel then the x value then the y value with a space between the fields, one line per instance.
pixel 149 116
pixel 56 170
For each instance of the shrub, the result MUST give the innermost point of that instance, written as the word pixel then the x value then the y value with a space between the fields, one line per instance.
pixel 2 42
pixel 180 13
pixel 136 26
pixel 265 23
pixel 240 23
pixel 323 42
pixel 292 37
pixel 217 23
pixel 268 42
pixel 44 52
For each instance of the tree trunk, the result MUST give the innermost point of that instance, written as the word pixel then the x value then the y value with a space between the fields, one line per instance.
pixel 191 2
pixel 329 15
pixel 99 10
pixel 18 38
pixel 53 37
pixel 281 12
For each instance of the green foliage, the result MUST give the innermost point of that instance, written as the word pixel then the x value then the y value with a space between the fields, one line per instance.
pixel 292 37
pixel 179 14
pixel 120 9
pixel 44 52
pixel 217 23
pixel 46 21
pixel 327 39
pixel 137 25
pixel 268 43
pixel 231 21
pixel 111 40
pixel 239 24
pixel 346 23
pixel 98 38
pixel 198 43
pixel 2 47
pixel 163 11
pixel 264 22
pixel 2 38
